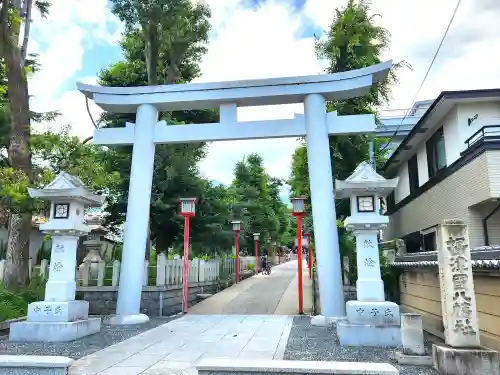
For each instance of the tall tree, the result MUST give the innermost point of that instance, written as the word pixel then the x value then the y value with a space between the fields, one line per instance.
pixel 172 31
pixel 353 41
pixel 256 202
pixel 14 14
pixel 176 172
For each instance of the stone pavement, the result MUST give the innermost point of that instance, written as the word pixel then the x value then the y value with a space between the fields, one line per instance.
pixel 176 347
pixel 262 294
pixel 230 324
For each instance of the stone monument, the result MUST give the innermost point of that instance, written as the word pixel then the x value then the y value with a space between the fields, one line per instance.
pixel 371 320
pixel 462 352
pixel 60 317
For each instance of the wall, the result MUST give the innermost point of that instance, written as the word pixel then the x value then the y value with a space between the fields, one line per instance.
pixel 155 300
pixel 456 130
pixel 449 199
pixel 420 294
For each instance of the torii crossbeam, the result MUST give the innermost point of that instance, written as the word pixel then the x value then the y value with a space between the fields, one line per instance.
pixel 315 125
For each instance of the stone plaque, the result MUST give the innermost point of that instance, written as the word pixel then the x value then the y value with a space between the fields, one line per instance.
pixel 458 300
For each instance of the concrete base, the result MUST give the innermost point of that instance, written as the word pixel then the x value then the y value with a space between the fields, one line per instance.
pixel 415 360
pixel 373 313
pixel 458 361
pixel 128 319
pixel 221 366
pixel 69 311
pixel 368 335
pixel 326 321
pixel 34 364
pixel 53 331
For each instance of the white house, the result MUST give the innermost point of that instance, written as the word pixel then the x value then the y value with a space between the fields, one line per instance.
pixel 449 168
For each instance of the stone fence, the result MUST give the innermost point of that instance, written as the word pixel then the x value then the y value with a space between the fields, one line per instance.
pixel 162 287
pixel 166 271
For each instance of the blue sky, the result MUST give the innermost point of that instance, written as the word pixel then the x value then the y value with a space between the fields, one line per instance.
pixel 99 56
pixel 265 39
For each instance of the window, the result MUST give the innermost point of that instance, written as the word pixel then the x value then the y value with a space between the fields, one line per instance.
pixel 413 174
pixel 436 155
pixel 429 242
pixel 429 239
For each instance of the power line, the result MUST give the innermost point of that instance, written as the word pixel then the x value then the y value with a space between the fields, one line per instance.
pixel 426 74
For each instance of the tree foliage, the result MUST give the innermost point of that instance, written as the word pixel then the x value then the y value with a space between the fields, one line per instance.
pixel 353 41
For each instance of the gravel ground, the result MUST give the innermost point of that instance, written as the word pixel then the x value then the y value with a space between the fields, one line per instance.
pixel 109 335
pixel 310 343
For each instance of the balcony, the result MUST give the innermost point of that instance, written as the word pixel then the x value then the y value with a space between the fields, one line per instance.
pixel 488 135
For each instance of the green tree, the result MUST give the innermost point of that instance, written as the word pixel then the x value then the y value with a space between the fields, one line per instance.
pixel 256 202
pixel 13 14
pixel 353 41
pixel 172 30
pixel 176 173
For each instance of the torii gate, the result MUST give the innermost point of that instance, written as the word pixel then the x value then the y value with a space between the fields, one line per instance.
pixel 315 125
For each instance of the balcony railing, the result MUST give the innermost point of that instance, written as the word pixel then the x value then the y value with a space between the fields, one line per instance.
pixel 488 133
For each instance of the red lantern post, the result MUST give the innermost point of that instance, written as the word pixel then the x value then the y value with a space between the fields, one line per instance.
pixel 236 230
pixel 274 253
pixel 256 237
pixel 187 210
pixel 298 211
pixel 309 254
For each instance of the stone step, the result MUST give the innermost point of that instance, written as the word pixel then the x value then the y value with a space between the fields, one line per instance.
pixel 34 364
pixel 212 366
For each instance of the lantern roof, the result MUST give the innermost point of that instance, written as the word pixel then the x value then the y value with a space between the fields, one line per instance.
pixel 364 180
pixel 188 199
pixel 67 187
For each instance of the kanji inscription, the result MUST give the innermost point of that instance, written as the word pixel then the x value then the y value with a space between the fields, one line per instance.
pixel 369 262
pixel 59 248
pixel 462 306
pixel 360 311
pixel 58 267
pixel 374 312
pixel 368 243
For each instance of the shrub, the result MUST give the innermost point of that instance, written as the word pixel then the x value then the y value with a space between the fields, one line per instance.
pixel 14 301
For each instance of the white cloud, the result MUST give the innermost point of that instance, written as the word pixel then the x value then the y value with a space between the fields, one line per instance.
pixel 265 42
pixel 61 40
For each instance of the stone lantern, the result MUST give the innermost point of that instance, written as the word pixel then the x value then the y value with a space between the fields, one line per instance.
pixel 60 317
pixel 371 320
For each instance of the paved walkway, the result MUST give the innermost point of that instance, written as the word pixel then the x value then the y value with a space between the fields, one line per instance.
pixel 229 324
pixel 175 348
pixel 262 294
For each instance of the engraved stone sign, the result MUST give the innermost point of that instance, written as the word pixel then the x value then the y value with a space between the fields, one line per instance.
pixel 457 285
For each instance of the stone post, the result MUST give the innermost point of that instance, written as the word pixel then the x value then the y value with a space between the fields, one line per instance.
pixel 345 264
pixel 161 264
pixel 116 273
pixel 462 353
pixel 412 341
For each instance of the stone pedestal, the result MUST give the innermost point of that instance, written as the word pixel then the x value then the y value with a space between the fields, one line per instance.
pixel 370 324
pixel 60 318
pixel 452 361
pixel 462 353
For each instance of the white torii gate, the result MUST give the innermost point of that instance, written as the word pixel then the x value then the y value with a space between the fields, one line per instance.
pixel 315 124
